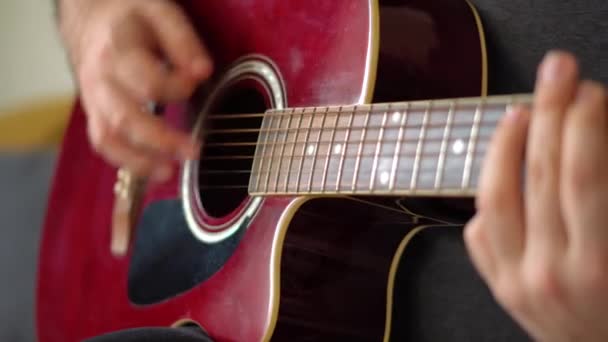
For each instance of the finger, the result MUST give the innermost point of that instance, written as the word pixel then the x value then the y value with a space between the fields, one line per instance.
pixel 585 169
pixel 500 196
pixel 554 90
pixel 148 78
pixel 120 153
pixel 504 283
pixel 141 128
pixel 478 247
pixel 178 40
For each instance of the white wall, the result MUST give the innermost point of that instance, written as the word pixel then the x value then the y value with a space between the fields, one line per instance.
pixel 32 62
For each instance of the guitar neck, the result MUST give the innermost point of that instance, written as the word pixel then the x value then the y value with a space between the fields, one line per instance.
pixel 404 148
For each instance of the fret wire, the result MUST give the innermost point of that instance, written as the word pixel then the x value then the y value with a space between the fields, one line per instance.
pixel 293 149
pixel 360 150
pixel 314 159
pixel 415 172
pixel 312 115
pixel 378 145
pixel 466 175
pixel 398 148
pixel 279 169
pixel 274 147
pixel 444 147
pixel 331 142
pixel 261 163
pixel 343 154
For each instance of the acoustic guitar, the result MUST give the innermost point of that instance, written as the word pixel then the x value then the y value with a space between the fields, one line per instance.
pixel 335 134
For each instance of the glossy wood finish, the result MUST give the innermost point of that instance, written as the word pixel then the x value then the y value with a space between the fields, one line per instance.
pixel 320 47
pixel 335 269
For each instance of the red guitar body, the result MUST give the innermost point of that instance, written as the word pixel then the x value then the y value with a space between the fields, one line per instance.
pixel 316 268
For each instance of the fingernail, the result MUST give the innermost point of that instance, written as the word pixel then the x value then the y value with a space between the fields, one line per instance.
pixel 512 113
pixel 515 113
pixel 550 67
pixel 554 67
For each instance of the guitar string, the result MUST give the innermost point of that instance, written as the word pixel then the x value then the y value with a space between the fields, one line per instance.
pixel 442 104
pixel 484 126
pixel 480 152
pixel 316 185
pixel 278 130
pixel 310 175
pixel 326 142
pixel 400 156
pixel 357 112
pixel 335 128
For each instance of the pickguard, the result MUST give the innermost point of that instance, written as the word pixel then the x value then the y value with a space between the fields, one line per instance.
pixel 167 259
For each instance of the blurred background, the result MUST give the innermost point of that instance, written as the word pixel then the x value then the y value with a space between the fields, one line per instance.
pixel 36 92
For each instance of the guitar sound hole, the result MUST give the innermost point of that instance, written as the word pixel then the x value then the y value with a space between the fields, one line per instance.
pixel 228 148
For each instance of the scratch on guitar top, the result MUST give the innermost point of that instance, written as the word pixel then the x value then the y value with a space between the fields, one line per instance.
pixel 295 60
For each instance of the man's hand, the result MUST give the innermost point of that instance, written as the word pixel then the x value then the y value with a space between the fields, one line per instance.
pixel 542 247
pixel 127 53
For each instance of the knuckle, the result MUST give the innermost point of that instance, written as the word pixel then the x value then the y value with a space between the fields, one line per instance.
pixel 90 73
pixel 542 282
pixel 541 170
pixel 98 135
pixel 582 178
pixel 99 54
pixel 117 121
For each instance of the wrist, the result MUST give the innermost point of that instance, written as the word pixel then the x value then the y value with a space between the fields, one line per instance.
pixel 71 16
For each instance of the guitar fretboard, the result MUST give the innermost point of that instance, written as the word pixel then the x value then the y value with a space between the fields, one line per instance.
pixel 429 147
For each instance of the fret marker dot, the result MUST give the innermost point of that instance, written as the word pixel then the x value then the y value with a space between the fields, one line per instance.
pixel 396 116
pixel 384 178
pixel 310 149
pixel 338 149
pixel 458 147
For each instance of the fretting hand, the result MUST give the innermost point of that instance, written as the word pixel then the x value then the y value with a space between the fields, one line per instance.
pixel 543 248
